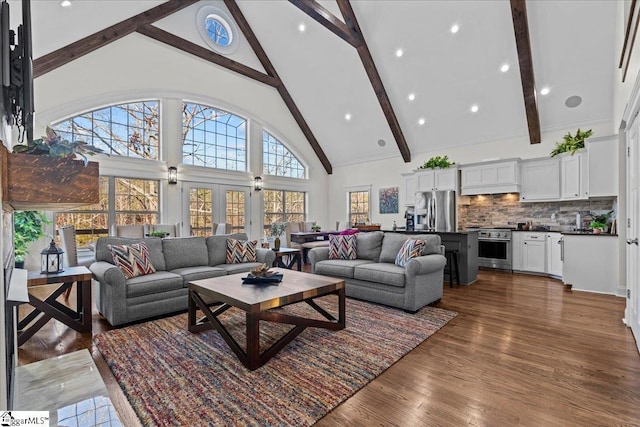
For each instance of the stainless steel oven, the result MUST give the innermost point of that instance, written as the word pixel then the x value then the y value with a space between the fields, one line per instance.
pixel 494 248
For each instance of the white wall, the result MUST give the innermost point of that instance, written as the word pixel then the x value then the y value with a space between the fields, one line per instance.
pixel 137 67
pixel 386 173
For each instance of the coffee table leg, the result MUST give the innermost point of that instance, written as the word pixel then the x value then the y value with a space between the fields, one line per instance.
pixel 253 341
pixel 341 309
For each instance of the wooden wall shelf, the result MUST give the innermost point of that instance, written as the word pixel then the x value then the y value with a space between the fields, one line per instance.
pixel 31 182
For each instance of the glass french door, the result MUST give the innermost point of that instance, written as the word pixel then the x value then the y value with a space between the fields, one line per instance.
pixel 206 204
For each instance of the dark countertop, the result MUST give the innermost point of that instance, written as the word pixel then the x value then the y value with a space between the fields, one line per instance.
pixel 428 232
pixel 584 233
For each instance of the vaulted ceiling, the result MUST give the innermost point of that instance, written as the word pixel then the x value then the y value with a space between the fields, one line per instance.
pixel 339 66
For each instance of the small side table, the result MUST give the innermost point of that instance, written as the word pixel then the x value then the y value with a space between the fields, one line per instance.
pixel 294 257
pixel 44 310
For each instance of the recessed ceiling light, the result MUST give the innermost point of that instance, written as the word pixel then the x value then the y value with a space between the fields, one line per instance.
pixel 399 53
pixel 545 91
pixel 454 28
pixel 65 3
pixel 347 117
pixel 411 96
pixel 382 142
pixel 302 27
pixel 504 68
pixel 474 108
pixel 421 121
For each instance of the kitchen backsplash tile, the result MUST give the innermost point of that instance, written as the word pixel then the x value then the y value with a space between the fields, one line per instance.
pixel 503 209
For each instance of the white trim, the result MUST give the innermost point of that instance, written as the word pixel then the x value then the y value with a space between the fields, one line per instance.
pixel 234 33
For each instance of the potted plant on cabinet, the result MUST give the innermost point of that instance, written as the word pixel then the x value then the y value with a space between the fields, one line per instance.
pixel 437 162
pixel 27 228
pixel 571 143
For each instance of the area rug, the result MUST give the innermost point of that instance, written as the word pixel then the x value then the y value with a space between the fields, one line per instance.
pixel 174 377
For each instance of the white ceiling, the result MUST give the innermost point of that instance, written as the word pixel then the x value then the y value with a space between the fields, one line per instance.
pixel 446 72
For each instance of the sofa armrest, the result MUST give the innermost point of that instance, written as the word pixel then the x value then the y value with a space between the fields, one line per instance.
pixel 107 273
pixel 442 249
pixel 265 256
pixel 316 255
pixel 425 264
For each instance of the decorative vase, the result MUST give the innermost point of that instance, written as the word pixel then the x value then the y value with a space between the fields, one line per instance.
pixel 276 244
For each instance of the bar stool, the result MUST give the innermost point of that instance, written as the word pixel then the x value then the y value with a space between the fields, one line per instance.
pixel 452 264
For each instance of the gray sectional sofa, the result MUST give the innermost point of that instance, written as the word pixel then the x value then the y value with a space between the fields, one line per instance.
pixel 375 277
pixel 177 262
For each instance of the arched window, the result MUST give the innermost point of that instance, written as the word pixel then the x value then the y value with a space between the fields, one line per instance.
pixel 277 160
pixel 213 138
pixel 130 129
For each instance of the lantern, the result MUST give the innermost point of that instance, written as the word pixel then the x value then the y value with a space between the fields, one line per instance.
pixel 51 259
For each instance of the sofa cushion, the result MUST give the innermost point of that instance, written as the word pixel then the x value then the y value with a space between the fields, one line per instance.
pixel 217 247
pixel 391 245
pixel 411 248
pixel 339 267
pixel 154 245
pixel 368 245
pixel 342 247
pixel 184 252
pixel 239 268
pixel 241 251
pixel 158 282
pixel 432 243
pixel 389 274
pixel 189 274
pixel 132 259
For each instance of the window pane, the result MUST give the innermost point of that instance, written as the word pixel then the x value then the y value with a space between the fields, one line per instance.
pixel 282 206
pixel 277 160
pixel 210 138
pixel 235 203
pixel 124 130
pixel 136 201
pixel 358 207
pixel 201 211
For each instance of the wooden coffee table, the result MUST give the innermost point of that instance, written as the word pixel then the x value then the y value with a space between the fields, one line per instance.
pixel 256 301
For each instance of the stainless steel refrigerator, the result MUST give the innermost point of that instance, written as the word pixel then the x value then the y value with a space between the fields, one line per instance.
pixel 435 211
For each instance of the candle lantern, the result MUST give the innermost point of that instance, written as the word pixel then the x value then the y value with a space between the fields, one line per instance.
pixel 51 259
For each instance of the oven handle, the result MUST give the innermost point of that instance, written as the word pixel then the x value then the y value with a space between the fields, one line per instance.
pixel 494 240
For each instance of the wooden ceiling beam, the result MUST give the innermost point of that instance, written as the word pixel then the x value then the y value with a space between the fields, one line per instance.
pixel 244 26
pixel 75 50
pixel 374 78
pixel 523 44
pixel 206 54
pixel 320 14
pixel 627 32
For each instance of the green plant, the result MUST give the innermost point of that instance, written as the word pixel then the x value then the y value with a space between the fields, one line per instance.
pixel 27 228
pixel 571 143
pixel 52 145
pixel 437 162
pixel 158 233
pixel 315 226
pixel 277 228
pixel 597 224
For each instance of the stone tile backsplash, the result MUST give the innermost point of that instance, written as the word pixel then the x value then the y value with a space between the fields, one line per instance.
pixel 507 210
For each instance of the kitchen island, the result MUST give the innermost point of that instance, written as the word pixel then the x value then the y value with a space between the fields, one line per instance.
pixel 465 242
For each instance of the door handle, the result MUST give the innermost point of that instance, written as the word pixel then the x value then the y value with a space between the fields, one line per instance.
pixel 634 241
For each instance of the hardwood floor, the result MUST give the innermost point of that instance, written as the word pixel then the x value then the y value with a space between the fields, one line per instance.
pixel 523 351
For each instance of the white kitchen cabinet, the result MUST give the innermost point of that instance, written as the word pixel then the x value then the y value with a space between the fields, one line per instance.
pixel 516 251
pixel 574 178
pixel 409 189
pixel 603 166
pixel 534 252
pixel 540 180
pixel 437 179
pixel 492 177
pixel 591 263
pixel 554 254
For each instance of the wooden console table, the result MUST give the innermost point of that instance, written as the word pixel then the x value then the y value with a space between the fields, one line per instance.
pixel 44 310
pixel 368 227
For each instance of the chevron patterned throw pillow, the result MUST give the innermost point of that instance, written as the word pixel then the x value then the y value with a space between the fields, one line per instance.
pixel 342 247
pixel 133 259
pixel 411 248
pixel 239 251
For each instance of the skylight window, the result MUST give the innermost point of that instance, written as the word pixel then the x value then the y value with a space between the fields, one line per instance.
pixel 218 30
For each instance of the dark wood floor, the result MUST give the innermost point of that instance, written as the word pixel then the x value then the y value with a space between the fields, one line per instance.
pixel 523 351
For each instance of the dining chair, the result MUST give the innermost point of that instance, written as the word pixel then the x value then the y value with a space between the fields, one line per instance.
pixel 70 256
pixel 222 228
pixel 131 231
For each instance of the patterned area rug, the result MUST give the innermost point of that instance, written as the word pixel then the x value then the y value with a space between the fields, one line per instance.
pixel 173 377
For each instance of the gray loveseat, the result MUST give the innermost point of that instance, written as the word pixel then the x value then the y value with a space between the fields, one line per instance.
pixel 375 277
pixel 177 261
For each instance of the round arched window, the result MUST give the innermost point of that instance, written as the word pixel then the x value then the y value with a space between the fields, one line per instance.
pixel 217 29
